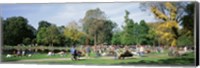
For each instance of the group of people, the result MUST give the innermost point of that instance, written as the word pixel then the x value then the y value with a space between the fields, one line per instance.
pixel 116 51
pixel 20 52
pixel 82 51
pixel 177 51
pixel 119 52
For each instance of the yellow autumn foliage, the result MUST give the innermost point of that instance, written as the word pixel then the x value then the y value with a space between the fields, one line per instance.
pixel 158 13
pixel 72 32
pixel 164 30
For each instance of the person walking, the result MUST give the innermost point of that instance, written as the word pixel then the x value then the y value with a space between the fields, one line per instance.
pixel 73 53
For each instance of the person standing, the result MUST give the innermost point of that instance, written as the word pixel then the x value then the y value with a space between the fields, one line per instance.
pixel 141 51
pixel 73 53
pixel 88 50
pixel 138 50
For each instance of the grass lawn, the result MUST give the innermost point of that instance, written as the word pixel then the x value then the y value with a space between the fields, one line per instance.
pixel 161 59
pixel 153 58
pixel 35 56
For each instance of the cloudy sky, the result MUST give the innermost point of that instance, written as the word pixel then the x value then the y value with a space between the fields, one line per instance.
pixel 63 13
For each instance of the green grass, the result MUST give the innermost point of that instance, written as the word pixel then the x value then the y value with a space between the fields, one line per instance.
pixel 35 56
pixel 153 58
pixel 161 59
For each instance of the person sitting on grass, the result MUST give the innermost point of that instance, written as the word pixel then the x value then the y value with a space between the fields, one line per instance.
pixel 50 53
pixel 97 51
pixel 61 53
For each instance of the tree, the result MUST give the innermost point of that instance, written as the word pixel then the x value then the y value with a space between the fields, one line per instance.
pixel 185 40
pixel 133 32
pixel 143 30
pixel 187 32
pixel 53 35
pixel 153 38
pixel 48 34
pixel 168 31
pixel 164 7
pixel 116 39
pixel 61 36
pixel 96 26
pixel 43 24
pixel 42 32
pixel 41 36
pixel 73 32
pixel 128 32
pixel 16 29
pixel 27 41
pixel 107 31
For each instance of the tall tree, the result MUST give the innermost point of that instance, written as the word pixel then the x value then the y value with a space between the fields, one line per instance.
pixel 72 31
pixel 143 30
pixel 95 25
pixel 168 13
pixel 43 24
pixel 163 7
pixel 152 35
pixel 133 32
pixel 187 32
pixel 128 33
pixel 107 32
pixel 48 34
pixel 41 32
pixel 53 35
pixel 16 29
pixel 116 39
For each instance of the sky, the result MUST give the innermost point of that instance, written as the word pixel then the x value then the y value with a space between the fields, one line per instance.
pixel 63 13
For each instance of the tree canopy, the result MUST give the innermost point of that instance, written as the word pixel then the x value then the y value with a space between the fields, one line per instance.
pixel 174 26
pixel 16 29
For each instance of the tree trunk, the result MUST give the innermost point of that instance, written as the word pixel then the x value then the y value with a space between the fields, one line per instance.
pixel 87 41
pixel 95 39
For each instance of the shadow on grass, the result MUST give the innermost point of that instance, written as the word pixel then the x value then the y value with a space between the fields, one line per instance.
pixel 185 60
pixel 9 59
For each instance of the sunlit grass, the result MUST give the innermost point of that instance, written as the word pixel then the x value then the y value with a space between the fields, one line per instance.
pixel 152 58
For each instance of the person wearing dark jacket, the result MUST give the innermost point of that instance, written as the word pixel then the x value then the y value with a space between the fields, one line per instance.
pixel 73 51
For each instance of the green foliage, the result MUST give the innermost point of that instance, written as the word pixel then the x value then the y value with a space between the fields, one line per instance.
pixel 116 39
pixel 16 29
pixel 127 33
pixel 43 24
pixel 96 26
pixel 73 33
pixel 27 41
pixel 49 35
pixel 187 32
pixel 134 33
pixel 151 37
pixel 185 40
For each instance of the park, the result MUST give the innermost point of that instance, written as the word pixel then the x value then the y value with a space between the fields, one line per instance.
pixel 154 58
pixel 95 39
